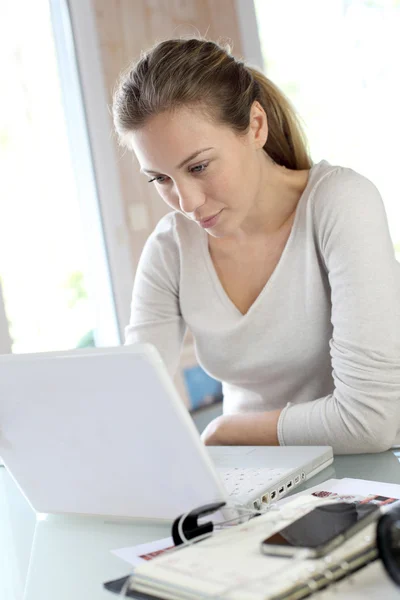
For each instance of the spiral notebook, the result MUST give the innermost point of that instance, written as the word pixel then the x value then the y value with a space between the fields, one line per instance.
pixel 229 565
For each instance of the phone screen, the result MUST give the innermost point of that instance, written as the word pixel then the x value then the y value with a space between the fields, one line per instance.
pixel 321 525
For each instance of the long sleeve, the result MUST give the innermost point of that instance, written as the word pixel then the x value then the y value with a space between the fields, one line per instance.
pixel 363 412
pixel 155 309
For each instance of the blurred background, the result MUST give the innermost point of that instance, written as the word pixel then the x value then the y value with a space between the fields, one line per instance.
pixel 74 211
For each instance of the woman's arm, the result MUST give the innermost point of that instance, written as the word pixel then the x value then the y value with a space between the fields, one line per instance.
pixel 363 412
pixel 155 312
pixel 253 429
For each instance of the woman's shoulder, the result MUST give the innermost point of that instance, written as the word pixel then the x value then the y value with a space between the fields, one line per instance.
pixel 167 244
pixel 176 228
pixel 341 190
pixel 346 210
pixel 174 233
pixel 174 222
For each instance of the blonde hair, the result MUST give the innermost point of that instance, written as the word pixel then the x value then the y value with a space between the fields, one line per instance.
pixel 199 73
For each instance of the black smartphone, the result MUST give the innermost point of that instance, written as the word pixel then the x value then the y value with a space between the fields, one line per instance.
pixel 321 530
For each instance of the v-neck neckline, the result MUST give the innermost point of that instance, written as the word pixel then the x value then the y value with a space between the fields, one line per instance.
pixel 214 275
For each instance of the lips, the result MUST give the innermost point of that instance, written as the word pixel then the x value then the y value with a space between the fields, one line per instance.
pixel 209 221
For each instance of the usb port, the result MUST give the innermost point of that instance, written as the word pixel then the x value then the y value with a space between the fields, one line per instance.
pixel 289 485
pixel 281 490
pixel 273 495
pixel 297 480
pixel 256 504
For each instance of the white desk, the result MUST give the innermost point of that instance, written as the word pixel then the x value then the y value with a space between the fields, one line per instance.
pixel 68 558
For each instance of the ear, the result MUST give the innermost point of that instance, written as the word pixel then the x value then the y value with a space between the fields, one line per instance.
pixel 258 125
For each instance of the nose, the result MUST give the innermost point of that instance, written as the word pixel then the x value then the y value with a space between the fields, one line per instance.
pixel 190 198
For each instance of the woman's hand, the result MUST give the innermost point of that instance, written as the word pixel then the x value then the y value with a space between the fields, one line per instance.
pixel 251 429
pixel 210 433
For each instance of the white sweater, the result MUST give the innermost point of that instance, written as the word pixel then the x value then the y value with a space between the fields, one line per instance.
pixel 321 341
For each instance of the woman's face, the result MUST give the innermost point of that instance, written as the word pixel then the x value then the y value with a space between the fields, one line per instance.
pixel 204 170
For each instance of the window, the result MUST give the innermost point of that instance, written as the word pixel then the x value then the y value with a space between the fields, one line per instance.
pixel 337 61
pixel 52 249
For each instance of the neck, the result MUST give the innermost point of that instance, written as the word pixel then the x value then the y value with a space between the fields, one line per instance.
pixel 274 207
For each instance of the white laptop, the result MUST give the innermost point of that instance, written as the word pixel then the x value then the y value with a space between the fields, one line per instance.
pixel 103 431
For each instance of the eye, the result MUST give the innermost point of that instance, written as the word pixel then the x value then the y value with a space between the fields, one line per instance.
pixel 158 179
pixel 199 168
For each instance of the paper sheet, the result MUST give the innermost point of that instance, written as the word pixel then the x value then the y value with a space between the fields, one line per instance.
pixel 135 555
pixel 362 487
pixel 350 487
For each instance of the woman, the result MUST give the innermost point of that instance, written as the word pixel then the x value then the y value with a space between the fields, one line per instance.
pixel 282 269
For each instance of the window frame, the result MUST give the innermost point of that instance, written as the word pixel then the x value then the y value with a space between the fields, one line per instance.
pixel 110 267
pixel 5 340
pixel 248 29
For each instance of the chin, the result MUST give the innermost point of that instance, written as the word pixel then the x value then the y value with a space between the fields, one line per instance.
pixel 216 234
pixel 221 230
pixel 224 230
pixel 222 234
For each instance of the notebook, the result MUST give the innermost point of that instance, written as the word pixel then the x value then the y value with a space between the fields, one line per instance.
pixel 229 565
pixel 103 431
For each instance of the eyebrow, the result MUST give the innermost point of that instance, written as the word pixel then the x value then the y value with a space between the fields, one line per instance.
pixel 184 162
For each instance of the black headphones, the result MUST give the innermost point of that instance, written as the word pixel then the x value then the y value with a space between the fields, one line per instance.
pixel 388 541
pixel 186 527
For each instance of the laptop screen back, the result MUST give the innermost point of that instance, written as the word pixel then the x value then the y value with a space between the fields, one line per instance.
pixel 102 432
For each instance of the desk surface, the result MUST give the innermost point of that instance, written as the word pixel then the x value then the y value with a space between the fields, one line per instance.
pixel 68 558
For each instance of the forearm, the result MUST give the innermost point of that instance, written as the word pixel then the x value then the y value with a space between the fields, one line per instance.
pixel 252 429
pixel 351 425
